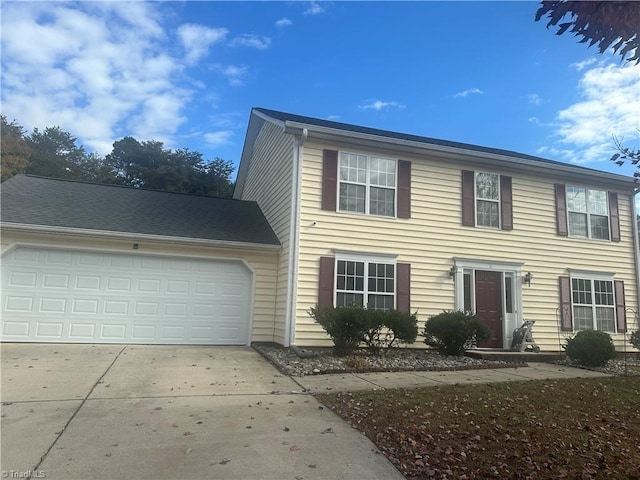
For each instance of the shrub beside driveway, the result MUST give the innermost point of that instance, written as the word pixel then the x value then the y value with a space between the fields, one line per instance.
pixel 575 428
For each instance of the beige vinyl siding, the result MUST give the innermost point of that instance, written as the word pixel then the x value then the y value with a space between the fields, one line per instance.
pixel 434 235
pixel 268 182
pixel 263 263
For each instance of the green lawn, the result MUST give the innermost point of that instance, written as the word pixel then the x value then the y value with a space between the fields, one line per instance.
pixel 571 429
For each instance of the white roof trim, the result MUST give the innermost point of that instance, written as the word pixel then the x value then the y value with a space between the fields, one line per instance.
pixel 137 237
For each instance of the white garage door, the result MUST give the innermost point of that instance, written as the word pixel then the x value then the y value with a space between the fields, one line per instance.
pixel 51 295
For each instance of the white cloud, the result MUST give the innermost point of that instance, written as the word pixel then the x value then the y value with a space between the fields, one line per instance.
pixel 196 40
pixel 103 70
pixel 314 8
pixel 234 73
pixel 534 99
pixel 579 66
pixel 250 40
pixel 380 105
pixel 215 139
pixel 100 71
pixel 610 106
pixel 283 22
pixel 469 91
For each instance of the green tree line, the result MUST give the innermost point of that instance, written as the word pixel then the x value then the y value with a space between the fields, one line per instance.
pixel 55 153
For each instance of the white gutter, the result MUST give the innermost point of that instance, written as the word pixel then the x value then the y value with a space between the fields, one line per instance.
pixel 294 238
pixel 135 237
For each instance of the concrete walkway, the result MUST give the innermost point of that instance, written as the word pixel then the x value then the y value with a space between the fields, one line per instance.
pixel 385 380
pixel 170 412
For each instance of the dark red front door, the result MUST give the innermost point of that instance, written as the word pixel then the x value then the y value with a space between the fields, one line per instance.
pixel 489 305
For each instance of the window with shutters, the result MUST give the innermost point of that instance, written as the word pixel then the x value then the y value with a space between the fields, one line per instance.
pixel 588 213
pixel 365 282
pixel 593 303
pixel 367 184
pixel 487 200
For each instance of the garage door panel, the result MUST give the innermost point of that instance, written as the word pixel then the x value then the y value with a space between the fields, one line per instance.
pixel 52 330
pixel 82 331
pixel 107 297
pixel 49 305
pixel 20 278
pixel 18 304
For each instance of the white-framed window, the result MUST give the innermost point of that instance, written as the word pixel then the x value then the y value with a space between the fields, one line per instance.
pixel 369 282
pixel 367 184
pixel 487 187
pixel 588 213
pixel 593 303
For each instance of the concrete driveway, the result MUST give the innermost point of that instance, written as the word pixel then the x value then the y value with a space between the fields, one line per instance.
pixel 174 412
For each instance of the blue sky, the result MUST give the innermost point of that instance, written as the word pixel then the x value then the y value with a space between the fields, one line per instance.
pixel 188 73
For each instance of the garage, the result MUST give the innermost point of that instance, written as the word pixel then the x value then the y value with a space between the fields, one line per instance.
pixel 90 263
pixel 58 295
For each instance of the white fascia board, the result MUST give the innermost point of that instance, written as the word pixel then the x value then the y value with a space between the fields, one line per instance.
pixel 456 153
pixel 135 237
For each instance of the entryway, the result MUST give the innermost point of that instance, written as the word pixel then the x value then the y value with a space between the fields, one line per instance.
pixel 493 290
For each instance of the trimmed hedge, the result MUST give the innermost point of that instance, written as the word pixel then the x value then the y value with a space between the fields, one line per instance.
pixel 591 348
pixel 453 331
pixel 379 330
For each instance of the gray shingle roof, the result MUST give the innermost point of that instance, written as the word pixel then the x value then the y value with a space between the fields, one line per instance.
pixel 62 203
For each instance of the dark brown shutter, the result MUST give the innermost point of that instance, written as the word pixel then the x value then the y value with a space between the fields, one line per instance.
pixel 403 290
pixel 325 282
pixel 614 217
pixel 468 199
pixel 561 210
pixel 404 189
pixel 621 312
pixel 566 320
pixel 329 179
pixel 506 202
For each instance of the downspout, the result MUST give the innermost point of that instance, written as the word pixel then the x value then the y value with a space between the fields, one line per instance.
pixel 294 238
pixel 636 248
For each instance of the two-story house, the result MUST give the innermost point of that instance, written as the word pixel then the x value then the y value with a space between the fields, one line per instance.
pixel 391 220
pixel 324 213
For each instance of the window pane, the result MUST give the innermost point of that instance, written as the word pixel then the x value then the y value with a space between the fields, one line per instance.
pixel 353 168
pixel 508 294
pixel 348 299
pixel 352 197
pixel 378 279
pixel 598 202
pixel 382 201
pixel 347 277
pixel 380 302
pixel 599 227
pixel 583 318
pixel 581 291
pixel 487 186
pixel 467 292
pixel 577 199
pixel 603 292
pixel 578 224
pixel 382 172
pixel 488 214
pixel 605 319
